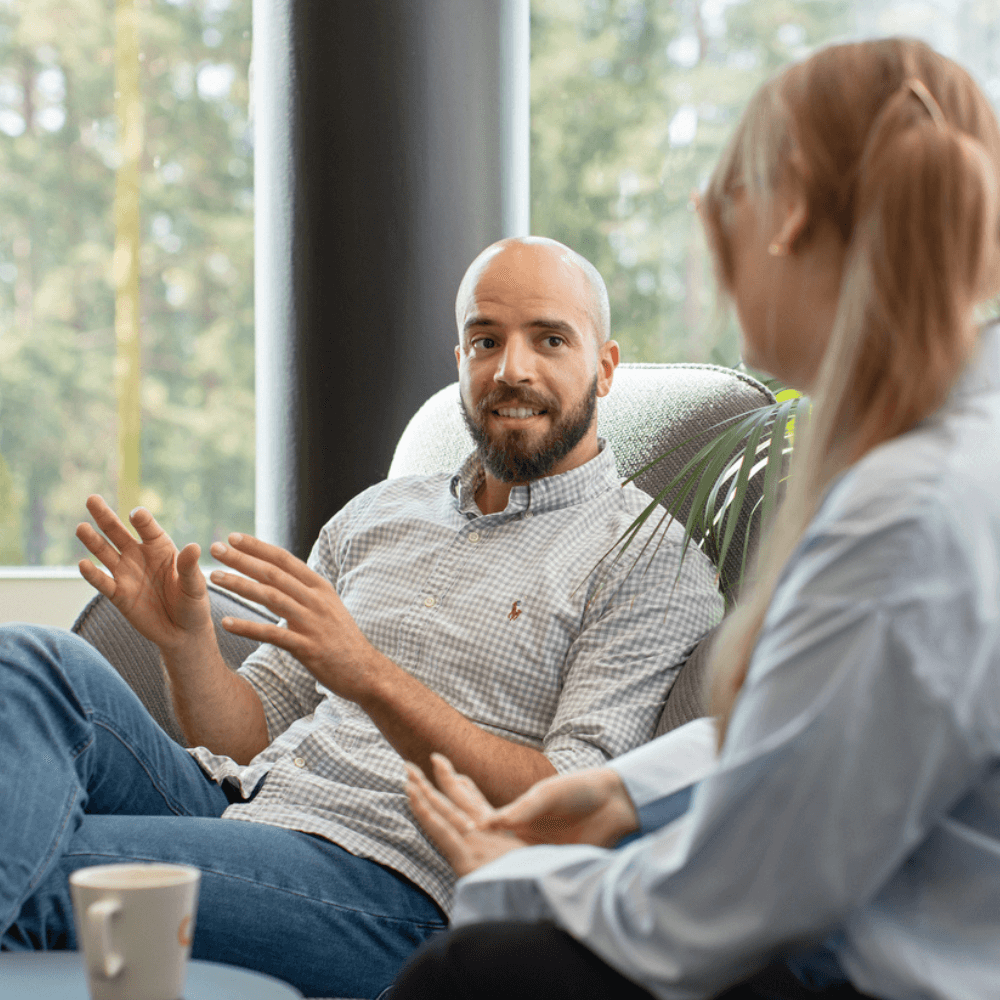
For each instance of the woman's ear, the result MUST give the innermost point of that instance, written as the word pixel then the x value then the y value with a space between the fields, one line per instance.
pixel 791 209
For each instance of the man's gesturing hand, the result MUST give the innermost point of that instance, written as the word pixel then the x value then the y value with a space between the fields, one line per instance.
pixel 159 590
pixel 588 807
pixel 320 633
pixel 450 819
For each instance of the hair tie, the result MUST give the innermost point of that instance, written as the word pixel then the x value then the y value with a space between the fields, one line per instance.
pixel 926 98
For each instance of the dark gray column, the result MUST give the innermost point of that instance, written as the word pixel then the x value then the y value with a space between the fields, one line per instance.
pixel 391 147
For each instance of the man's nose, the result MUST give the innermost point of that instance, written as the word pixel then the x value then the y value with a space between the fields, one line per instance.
pixel 517 363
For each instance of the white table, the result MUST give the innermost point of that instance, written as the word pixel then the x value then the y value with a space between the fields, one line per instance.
pixel 59 975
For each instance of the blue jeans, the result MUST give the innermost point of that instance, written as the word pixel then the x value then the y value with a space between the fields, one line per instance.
pixel 87 777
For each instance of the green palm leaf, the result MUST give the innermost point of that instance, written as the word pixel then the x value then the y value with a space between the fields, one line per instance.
pixel 718 480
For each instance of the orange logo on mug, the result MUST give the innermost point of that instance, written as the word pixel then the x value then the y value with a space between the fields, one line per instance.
pixel 184 932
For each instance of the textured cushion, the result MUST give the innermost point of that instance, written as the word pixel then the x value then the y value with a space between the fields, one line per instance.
pixel 650 409
pixel 685 700
pixel 138 660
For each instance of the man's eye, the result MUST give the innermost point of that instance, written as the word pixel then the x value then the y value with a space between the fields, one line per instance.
pixel 554 341
pixel 485 343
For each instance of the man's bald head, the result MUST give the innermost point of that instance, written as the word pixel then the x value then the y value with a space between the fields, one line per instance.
pixel 598 307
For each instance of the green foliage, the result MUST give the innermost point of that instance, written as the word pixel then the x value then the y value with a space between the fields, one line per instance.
pixel 10 522
pixel 632 103
pixel 57 349
pixel 752 449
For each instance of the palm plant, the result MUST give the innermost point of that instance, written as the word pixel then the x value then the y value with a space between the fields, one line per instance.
pixel 715 484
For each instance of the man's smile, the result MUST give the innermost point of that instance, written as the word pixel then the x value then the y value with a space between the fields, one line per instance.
pixel 517 412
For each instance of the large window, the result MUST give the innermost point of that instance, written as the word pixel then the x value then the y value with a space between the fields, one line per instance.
pixel 631 102
pixel 60 153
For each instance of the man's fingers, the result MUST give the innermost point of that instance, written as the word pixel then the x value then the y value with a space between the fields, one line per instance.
pixel 266 573
pixel 191 578
pixel 108 521
pixel 97 578
pixel 460 789
pixel 145 524
pixel 98 545
pixel 274 555
pixel 267 632
pixel 273 598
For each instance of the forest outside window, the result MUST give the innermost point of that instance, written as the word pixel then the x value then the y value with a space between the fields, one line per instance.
pixel 63 258
pixel 631 103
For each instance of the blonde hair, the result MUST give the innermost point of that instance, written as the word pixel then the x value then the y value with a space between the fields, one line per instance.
pixel 896 146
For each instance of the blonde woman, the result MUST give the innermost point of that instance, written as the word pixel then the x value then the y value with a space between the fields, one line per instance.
pixel 849 830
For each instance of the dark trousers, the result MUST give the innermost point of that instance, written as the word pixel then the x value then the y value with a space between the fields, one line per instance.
pixel 525 961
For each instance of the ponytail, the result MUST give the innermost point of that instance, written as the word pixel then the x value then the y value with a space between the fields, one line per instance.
pixel 916 201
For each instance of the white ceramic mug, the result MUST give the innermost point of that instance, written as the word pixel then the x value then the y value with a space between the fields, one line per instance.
pixel 135 924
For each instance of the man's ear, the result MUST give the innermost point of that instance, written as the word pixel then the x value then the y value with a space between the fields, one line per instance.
pixel 458 357
pixel 607 362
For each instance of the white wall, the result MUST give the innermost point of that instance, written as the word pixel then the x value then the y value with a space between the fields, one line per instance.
pixel 51 595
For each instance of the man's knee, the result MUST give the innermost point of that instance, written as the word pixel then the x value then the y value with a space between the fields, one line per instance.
pixel 51 660
pixel 22 641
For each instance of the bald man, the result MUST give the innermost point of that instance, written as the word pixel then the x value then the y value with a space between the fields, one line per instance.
pixel 467 614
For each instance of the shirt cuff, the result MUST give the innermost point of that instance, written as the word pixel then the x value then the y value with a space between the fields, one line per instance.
pixel 672 762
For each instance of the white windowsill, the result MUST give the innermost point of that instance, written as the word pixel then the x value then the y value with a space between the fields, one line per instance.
pixel 48 595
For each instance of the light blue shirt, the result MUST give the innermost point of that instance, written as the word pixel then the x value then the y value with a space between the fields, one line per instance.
pixel 856 803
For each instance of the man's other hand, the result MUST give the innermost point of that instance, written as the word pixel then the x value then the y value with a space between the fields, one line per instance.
pixel 320 632
pixel 160 591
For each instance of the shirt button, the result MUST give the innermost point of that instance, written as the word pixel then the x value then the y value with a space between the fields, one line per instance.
pixel 473 536
pixel 299 762
pixel 429 602
pixel 527 513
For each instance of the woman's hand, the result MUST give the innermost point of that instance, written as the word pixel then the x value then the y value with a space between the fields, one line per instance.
pixel 588 807
pixel 160 591
pixel 450 819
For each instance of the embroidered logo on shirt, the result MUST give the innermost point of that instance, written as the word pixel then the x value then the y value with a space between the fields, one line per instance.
pixel 515 611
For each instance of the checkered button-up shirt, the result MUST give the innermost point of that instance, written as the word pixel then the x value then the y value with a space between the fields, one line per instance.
pixel 511 617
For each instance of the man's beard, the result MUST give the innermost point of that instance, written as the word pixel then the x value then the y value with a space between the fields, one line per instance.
pixel 507 456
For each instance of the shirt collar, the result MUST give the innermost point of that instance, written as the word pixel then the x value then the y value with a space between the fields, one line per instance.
pixel 982 374
pixel 540 495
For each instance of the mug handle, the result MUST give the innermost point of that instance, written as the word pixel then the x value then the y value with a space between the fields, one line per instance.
pixel 99 916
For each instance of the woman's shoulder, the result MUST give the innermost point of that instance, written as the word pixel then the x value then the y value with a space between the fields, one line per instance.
pixel 947 467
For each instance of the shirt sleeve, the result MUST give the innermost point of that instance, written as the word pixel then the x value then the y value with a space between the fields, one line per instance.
pixel 619 669
pixel 857 730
